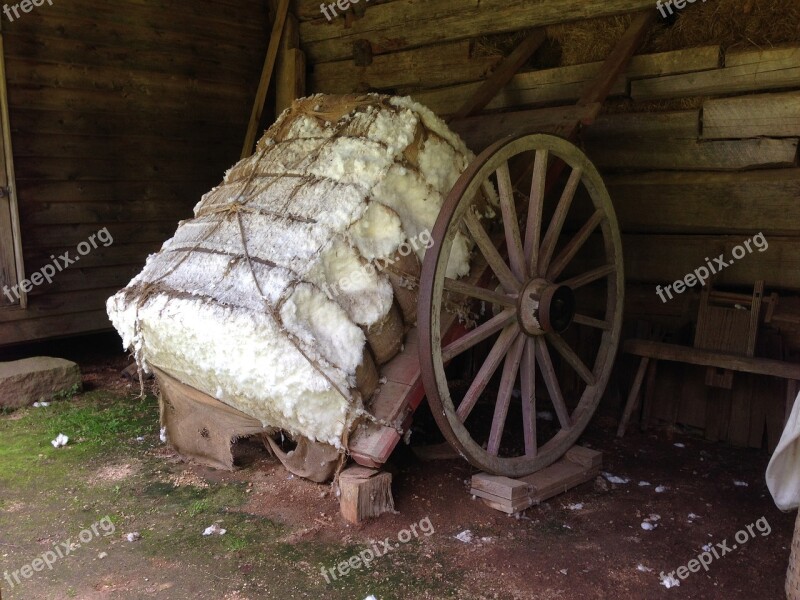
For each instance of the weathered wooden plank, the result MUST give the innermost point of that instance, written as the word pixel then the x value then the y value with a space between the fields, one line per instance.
pixel 52 326
pixel 308 10
pixel 661 259
pixel 430 66
pixel 63 303
pixel 184 192
pixel 64 213
pixel 745 71
pixel 44 236
pixel 566 84
pixel 692 155
pixel 708 202
pixel 683 124
pixel 411 23
pixel 773 115
pixel 499 486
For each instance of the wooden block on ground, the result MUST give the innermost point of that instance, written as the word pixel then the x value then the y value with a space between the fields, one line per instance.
pixel 578 466
pixel 364 493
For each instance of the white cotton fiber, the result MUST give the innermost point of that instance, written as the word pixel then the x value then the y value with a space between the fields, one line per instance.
pixel 263 298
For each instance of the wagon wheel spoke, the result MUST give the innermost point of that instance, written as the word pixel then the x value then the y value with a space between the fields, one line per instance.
pixel 477 335
pixel 528 385
pixel 496 354
pixel 490 253
pixel 551 382
pixel 510 370
pixel 590 322
pixel 533 226
pixel 516 254
pixel 479 293
pixel 575 244
pixel 560 215
pixel 572 359
pixel 589 276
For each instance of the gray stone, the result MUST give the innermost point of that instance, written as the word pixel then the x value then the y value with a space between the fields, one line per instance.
pixel 24 382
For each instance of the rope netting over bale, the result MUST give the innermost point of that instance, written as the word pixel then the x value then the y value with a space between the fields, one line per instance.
pixel 273 298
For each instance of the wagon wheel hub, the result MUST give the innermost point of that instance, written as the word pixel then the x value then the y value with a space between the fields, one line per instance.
pixel 545 307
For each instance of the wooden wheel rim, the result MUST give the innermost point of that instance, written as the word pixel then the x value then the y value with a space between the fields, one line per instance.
pixel 451 216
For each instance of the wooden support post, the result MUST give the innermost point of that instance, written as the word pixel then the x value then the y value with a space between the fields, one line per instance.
pixel 266 77
pixel 633 396
pixel 364 493
pixel 291 68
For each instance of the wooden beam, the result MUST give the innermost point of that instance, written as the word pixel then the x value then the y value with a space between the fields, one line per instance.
pixel 745 71
pixel 291 68
pixel 773 115
pixel 663 259
pixel 692 155
pixel 430 66
pixel 403 25
pixel 501 75
pixel 708 202
pixel 707 358
pixel 266 77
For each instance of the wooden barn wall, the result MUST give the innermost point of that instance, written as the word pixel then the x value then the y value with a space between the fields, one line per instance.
pixel 122 114
pixel 699 155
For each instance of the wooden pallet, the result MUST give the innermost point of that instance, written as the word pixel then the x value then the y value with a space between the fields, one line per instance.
pixel 510 496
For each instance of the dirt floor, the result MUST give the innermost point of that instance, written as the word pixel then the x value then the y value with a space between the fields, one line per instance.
pixel 283 532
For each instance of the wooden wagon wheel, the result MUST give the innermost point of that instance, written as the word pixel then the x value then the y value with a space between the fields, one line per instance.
pixel 531 307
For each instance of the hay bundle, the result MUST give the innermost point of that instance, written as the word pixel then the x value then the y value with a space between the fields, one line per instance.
pixel 269 298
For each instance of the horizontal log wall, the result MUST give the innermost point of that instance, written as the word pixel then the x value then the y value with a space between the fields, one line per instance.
pixel 697 179
pixel 123 114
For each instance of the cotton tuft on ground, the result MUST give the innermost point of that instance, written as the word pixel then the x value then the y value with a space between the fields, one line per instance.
pixel 269 299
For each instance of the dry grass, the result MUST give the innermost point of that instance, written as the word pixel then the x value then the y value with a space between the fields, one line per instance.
pixel 729 23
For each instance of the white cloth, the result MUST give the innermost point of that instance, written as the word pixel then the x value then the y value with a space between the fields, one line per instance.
pixel 783 471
